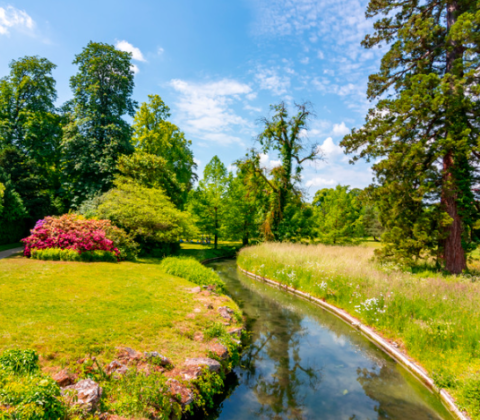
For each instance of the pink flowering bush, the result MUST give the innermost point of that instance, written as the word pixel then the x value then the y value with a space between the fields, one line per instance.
pixel 71 232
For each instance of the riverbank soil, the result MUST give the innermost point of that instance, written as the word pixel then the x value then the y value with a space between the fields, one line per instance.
pixel 431 317
pixel 81 317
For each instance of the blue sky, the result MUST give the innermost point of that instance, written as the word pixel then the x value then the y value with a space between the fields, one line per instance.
pixel 219 64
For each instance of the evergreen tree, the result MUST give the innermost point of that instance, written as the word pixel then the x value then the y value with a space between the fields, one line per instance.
pixel 97 134
pixel 371 222
pixel 424 130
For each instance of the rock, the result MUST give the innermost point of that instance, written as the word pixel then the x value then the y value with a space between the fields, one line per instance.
pixel 64 378
pixel 181 392
pixel 191 373
pixel 197 310
pixel 212 365
pixel 126 353
pixel 209 306
pixel 198 336
pixel 196 290
pixel 86 393
pixel 220 350
pixel 116 367
pixel 211 287
pixel 164 361
pixel 237 332
pixel 225 312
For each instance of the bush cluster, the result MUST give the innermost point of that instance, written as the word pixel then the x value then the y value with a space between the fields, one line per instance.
pixel 192 270
pixel 75 233
pixel 57 254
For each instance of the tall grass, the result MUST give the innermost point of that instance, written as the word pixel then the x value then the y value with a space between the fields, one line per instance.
pixel 435 318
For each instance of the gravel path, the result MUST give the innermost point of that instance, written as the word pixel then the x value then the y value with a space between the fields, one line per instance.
pixel 8 252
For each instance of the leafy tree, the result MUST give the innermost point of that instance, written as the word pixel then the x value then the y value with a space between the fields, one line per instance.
pixel 2 192
pixel 424 130
pixel 145 213
pixel 97 134
pixel 338 214
pixel 208 200
pixel 155 135
pixel 28 118
pixel 284 135
pixel 371 222
pixel 12 226
pixel 151 171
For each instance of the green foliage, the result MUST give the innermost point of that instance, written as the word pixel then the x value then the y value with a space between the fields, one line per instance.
pixel 12 226
pixel 151 171
pixel 371 222
pixel 192 270
pixel 423 133
pixel 154 135
pixel 19 361
pixel 209 385
pixel 2 192
pixel 276 187
pixel 96 134
pixel 338 215
pixel 57 254
pixel 126 245
pixel 147 214
pixel 137 395
pixel 208 201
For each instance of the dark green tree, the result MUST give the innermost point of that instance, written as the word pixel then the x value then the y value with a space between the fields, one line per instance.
pixel 283 135
pixel 97 134
pixel 423 132
pixel 371 222
pixel 28 118
pixel 12 217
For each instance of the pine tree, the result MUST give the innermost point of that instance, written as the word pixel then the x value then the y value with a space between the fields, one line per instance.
pixel 424 130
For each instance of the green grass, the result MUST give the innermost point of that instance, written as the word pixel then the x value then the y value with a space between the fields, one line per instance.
pixel 435 318
pixel 10 246
pixel 202 252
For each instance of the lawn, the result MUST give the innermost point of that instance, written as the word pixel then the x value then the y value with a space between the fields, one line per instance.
pixel 66 310
pixel 203 252
pixel 433 317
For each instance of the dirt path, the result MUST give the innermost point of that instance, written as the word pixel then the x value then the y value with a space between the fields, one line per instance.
pixel 8 252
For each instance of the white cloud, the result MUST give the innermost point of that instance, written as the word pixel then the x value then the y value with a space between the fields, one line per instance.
pixel 206 108
pixel 340 129
pixel 267 163
pixel 305 60
pixel 269 79
pixel 10 17
pixel 160 50
pixel 251 96
pixel 127 47
pixel 320 55
pixel 318 181
pixel 329 148
pixel 135 68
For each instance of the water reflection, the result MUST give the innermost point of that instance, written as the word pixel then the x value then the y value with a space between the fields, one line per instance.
pixel 304 363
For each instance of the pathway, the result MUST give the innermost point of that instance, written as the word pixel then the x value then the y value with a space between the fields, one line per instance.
pixel 8 252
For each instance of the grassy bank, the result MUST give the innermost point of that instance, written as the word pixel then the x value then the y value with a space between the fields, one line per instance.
pixel 78 315
pixel 202 252
pixel 434 318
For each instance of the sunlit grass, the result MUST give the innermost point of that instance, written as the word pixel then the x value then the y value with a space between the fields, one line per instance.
pixel 203 252
pixel 433 316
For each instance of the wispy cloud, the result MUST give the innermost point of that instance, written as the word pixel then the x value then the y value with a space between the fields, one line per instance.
pixel 11 18
pixel 206 109
pixel 127 47
pixel 269 79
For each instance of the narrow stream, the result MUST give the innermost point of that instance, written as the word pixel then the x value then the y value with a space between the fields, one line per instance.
pixel 304 363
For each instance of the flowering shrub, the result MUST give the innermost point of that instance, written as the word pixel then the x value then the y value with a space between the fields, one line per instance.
pixel 73 232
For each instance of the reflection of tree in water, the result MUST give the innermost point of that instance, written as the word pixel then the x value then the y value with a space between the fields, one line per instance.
pixel 280 392
pixel 395 400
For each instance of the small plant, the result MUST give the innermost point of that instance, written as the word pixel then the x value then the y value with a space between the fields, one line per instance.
pixel 56 254
pixel 209 385
pixel 19 361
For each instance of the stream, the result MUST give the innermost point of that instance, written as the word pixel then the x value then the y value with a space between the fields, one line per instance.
pixel 304 363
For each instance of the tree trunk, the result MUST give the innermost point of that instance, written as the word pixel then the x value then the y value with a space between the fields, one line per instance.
pixel 453 252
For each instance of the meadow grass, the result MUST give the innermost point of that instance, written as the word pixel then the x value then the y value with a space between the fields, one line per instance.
pixel 67 310
pixel 434 317
pixel 202 252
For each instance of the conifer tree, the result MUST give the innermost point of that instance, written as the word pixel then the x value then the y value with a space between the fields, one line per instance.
pixel 423 132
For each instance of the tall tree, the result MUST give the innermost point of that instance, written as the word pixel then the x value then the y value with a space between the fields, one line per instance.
pixel 283 135
pixel 97 134
pixel 12 225
pixel 208 200
pixel 155 135
pixel 424 128
pixel 28 118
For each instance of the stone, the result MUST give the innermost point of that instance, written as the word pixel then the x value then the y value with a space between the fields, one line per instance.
pixel 219 349
pixel 201 362
pixel 236 331
pixel 164 361
pixel 116 368
pixel 86 393
pixel 225 312
pixel 196 290
pixel 197 310
pixel 191 373
pixel 64 378
pixel 211 287
pixel 184 395
pixel 128 353
pixel 198 336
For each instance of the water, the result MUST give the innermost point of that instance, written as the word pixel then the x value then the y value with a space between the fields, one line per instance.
pixel 304 363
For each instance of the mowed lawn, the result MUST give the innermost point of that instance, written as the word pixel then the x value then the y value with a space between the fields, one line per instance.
pixel 67 310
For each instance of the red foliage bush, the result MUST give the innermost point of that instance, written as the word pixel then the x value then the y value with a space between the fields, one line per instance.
pixel 70 232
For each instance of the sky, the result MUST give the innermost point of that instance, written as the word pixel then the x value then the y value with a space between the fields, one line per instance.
pixel 219 65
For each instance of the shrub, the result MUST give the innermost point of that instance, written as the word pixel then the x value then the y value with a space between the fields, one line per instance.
pixel 57 254
pixel 19 361
pixel 192 270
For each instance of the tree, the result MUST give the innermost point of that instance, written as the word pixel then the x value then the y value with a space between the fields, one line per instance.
pixel 12 225
pixel 371 222
pixel 155 135
pixel 208 200
pixel 424 135
pixel 2 192
pixel 28 118
pixel 97 134
pixel 339 215
pixel 284 136
pixel 145 213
